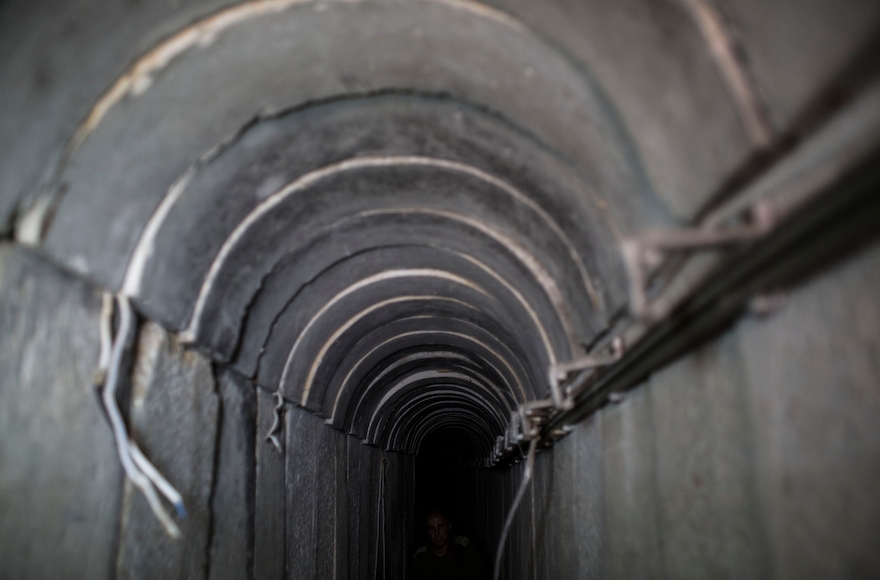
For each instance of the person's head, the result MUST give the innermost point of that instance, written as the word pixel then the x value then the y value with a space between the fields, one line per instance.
pixel 439 528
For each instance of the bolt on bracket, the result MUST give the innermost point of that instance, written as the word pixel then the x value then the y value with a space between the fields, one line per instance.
pixel 644 252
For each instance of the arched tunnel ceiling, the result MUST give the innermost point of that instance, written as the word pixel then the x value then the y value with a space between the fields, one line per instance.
pixel 399 214
pixel 398 245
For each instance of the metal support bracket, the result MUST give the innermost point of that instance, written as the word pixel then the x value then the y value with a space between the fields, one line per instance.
pixel 564 398
pixel 533 414
pixel 644 252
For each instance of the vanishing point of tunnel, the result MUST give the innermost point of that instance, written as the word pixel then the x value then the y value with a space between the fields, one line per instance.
pixel 597 281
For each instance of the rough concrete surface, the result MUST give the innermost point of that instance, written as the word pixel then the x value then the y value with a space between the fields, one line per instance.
pixel 232 504
pixel 269 495
pixel 60 479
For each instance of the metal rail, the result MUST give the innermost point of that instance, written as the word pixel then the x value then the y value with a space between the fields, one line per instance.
pixel 835 223
pixel 767 255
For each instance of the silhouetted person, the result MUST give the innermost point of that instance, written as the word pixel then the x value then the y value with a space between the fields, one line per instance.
pixel 446 556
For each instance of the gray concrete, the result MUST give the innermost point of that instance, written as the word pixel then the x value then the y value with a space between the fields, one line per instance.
pixel 60 480
pixel 53 70
pixel 819 49
pixel 174 419
pixel 754 457
pixel 704 468
pixel 232 504
pixel 631 508
pixel 336 526
pixel 269 499
pixel 812 376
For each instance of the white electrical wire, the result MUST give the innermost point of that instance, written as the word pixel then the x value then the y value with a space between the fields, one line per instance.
pixel 105 332
pixel 157 479
pixel 527 477
pixel 138 468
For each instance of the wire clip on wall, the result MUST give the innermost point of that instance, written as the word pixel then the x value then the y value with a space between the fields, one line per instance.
pixel 272 437
pixel 139 470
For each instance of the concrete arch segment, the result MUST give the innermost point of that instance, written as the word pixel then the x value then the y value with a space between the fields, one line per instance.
pixel 169 263
pixel 406 399
pixel 282 288
pixel 344 291
pixel 416 380
pixel 433 417
pixel 380 350
pixel 285 58
pixel 290 220
pixel 504 169
pixel 306 365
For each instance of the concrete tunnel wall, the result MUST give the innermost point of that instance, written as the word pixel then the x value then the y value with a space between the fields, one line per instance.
pixel 400 216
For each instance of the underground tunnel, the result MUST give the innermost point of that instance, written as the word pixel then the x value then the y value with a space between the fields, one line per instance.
pixel 597 279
